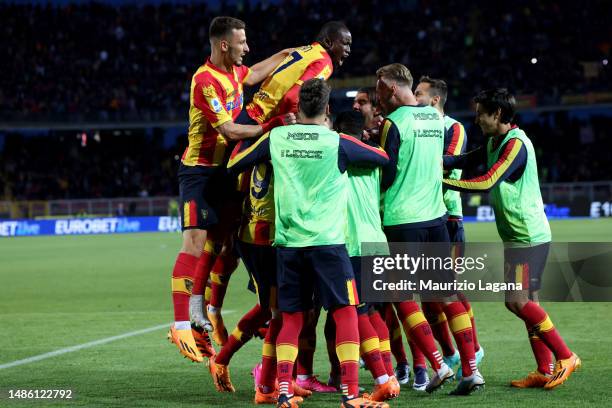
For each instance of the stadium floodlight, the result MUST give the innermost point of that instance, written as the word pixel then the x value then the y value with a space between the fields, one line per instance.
pixel 534 60
pixel 605 61
pixel 351 94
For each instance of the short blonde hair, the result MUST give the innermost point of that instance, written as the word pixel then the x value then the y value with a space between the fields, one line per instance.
pixel 396 72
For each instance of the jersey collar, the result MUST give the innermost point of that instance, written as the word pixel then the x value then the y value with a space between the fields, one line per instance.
pixel 216 68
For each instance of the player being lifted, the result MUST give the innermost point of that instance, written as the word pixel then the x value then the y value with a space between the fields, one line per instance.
pixel 414 212
pixel 278 95
pixel 215 102
pixel 512 180
pixel 433 92
pixel 309 162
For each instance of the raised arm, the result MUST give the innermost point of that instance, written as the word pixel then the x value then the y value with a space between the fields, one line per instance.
pixel 513 158
pixel 262 69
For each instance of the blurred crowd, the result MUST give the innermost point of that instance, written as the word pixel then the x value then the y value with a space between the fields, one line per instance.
pixel 96 61
pixel 569 147
pixel 106 164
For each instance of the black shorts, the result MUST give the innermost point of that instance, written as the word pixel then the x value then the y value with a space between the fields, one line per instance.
pixel 362 308
pixel 526 265
pixel 407 233
pixel 456 235
pixel 417 239
pixel 202 191
pixel 325 270
pixel 260 262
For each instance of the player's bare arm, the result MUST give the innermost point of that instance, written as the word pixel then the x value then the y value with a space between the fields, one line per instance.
pixel 234 131
pixel 264 68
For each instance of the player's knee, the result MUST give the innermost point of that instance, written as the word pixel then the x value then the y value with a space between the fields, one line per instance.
pixel 193 241
pixel 514 307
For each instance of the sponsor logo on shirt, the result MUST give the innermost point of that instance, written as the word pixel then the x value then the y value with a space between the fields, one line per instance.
pixel 302 154
pixel 426 116
pixel 302 136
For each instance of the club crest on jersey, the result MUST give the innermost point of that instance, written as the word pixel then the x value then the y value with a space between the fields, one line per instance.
pixel 216 105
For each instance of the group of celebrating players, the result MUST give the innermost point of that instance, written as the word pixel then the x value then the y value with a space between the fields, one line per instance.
pixel 294 194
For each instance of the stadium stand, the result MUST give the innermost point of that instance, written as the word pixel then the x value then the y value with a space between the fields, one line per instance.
pixel 117 62
pixel 145 55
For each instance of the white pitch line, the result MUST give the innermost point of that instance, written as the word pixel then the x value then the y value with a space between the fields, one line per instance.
pixel 90 344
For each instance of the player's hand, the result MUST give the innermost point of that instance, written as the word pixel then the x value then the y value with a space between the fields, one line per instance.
pixel 378 120
pixel 287 51
pixel 281 120
pixel 289 119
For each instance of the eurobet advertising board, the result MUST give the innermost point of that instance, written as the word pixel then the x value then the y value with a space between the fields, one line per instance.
pixel 86 226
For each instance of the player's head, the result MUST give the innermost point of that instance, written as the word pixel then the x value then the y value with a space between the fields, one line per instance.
pixel 431 92
pixel 350 123
pixel 366 102
pixel 228 35
pixel 494 107
pixel 314 98
pixel 391 80
pixel 336 38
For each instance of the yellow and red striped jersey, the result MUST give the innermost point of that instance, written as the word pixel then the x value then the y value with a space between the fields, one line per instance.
pixel 279 93
pixel 257 226
pixel 216 98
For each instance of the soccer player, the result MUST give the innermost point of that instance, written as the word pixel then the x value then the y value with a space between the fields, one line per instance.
pixel 310 201
pixel 434 92
pixel 414 211
pixel 512 180
pixel 278 95
pixel 364 225
pixel 365 102
pixel 216 100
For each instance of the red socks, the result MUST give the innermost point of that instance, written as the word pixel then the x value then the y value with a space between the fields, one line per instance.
pixel 395 334
pixel 383 337
pixel 287 350
pixel 417 330
pixel 202 270
pixel 268 354
pixel 439 326
pixel 418 358
pixel 347 348
pixel 220 275
pixel 459 324
pixel 541 352
pixel 470 312
pixel 370 346
pixel 243 332
pixel 182 284
pixel 537 320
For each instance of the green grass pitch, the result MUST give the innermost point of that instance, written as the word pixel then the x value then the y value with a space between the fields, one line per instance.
pixel 58 292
